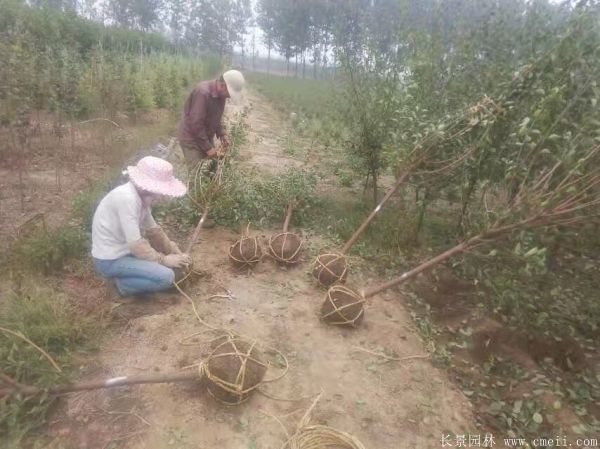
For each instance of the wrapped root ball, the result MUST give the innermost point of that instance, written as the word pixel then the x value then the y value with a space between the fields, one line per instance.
pixel 330 269
pixel 233 370
pixel 246 252
pixel 285 247
pixel 342 307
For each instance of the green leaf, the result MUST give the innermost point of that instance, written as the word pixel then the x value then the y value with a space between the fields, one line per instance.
pixel 517 407
pixel 496 407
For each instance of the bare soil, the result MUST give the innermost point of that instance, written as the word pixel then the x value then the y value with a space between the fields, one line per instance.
pixel 41 174
pixel 386 404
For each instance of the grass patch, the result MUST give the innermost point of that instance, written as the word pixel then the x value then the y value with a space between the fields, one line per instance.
pixel 47 251
pixel 311 105
pixel 46 318
pixel 309 98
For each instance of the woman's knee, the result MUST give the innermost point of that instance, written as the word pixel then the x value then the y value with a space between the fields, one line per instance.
pixel 166 277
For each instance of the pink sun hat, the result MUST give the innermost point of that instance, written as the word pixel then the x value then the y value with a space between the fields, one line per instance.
pixel 155 175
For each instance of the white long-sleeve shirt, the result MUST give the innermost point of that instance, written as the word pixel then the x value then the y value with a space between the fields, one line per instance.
pixel 118 221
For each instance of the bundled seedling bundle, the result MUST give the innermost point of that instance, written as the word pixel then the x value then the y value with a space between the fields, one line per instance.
pixel 203 193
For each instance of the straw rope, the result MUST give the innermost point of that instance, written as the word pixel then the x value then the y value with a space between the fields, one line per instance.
pixel 315 436
pixel 319 437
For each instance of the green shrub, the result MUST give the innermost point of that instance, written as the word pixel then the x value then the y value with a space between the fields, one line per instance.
pixel 263 200
pixel 252 197
pixel 48 252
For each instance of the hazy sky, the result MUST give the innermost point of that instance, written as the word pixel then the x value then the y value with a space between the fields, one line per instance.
pixel 257 32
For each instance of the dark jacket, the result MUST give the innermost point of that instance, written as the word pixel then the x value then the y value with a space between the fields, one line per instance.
pixel 202 114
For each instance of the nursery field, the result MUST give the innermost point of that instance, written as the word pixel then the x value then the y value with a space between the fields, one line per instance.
pixel 427 361
pixel 406 244
pixel 383 402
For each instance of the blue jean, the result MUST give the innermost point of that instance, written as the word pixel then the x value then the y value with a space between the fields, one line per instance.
pixel 135 276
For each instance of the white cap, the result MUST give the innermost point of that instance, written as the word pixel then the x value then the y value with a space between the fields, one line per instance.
pixel 235 83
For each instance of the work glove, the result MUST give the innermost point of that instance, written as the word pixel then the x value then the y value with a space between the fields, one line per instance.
pixel 160 242
pixel 143 250
pixel 176 260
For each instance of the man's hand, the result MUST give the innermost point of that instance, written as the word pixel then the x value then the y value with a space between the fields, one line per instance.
pixel 177 260
pixel 225 142
pixel 212 153
pixel 187 258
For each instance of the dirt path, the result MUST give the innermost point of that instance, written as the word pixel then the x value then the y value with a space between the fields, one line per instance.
pixel 265 133
pixel 390 405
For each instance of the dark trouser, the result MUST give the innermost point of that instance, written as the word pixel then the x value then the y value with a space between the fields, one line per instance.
pixel 195 159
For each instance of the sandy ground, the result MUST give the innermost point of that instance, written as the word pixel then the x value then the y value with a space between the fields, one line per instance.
pixel 392 405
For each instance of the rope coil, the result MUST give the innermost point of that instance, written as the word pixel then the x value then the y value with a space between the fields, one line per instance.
pixel 316 436
pixel 319 437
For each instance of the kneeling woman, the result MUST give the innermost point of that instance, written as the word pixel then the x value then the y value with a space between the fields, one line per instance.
pixel 127 244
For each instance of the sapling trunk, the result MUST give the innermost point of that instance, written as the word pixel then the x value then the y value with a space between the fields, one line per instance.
pixel 461 247
pixel 401 180
pixel 196 232
pixel 534 221
pixel 288 216
pixel 109 383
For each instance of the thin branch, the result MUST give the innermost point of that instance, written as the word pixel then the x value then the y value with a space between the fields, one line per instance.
pixel 101 119
pixel 390 358
pixel 40 350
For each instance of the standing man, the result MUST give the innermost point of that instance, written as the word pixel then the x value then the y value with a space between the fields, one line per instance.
pixel 202 114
